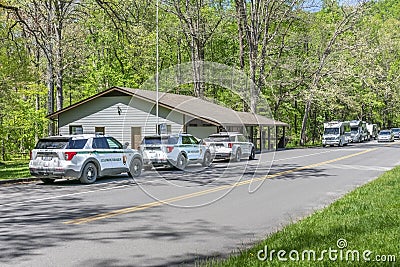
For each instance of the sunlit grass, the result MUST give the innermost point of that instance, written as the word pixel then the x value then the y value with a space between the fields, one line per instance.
pixel 14 169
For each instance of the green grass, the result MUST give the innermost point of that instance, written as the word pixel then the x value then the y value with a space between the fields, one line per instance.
pixel 367 218
pixel 14 169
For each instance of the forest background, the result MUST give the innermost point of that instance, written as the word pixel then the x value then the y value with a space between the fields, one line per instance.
pixel 314 61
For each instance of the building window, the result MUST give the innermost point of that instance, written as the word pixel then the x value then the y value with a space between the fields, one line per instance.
pixel 164 128
pixel 99 130
pixel 75 129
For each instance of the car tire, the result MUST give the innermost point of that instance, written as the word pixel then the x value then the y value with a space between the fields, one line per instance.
pixel 207 159
pixel 89 174
pixel 238 155
pixel 47 180
pixel 252 154
pixel 181 162
pixel 135 168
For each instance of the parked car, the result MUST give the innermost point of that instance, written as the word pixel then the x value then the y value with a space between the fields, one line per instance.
pixel 232 146
pixel 177 150
pixel 84 157
pixel 396 133
pixel 386 136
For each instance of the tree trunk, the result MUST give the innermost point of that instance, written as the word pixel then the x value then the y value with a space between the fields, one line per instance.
pixel 50 95
pixel 240 33
pixel 253 85
pixel 198 67
pixel 59 67
pixel 307 108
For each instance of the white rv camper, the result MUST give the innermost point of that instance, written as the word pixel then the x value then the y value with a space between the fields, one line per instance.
pixel 365 134
pixel 372 131
pixel 357 133
pixel 334 133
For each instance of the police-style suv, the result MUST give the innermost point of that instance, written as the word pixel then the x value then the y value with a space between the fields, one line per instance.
pixel 83 157
pixel 176 150
pixel 232 146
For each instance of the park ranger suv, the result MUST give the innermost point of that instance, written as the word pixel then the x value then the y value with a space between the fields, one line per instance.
pixel 232 146
pixel 84 157
pixel 177 150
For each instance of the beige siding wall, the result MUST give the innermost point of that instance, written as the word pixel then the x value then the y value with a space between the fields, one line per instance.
pixel 103 112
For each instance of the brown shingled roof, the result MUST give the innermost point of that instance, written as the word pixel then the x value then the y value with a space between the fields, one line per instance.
pixel 189 105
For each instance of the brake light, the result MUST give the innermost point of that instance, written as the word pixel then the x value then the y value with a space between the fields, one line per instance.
pixel 69 155
pixel 229 145
pixel 169 149
pixel 30 155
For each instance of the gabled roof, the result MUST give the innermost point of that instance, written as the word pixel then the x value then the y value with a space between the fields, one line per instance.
pixel 189 105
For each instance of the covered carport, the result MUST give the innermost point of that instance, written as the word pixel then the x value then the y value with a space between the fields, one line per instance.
pixel 265 133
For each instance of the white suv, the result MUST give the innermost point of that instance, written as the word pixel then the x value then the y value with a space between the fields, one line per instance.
pixel 83 157
pixel 231 145
pixel 176 150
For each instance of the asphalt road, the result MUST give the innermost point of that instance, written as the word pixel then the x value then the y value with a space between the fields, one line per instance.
pixel 169 217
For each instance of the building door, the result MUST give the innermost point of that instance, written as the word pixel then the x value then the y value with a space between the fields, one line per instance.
pixel 136 137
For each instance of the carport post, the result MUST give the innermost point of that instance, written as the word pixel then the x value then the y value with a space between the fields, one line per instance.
pixel 284 138
pixel 269 138
pixel 250 134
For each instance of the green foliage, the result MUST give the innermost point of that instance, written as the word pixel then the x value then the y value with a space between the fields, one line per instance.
pixel 20 122
pixel 114 44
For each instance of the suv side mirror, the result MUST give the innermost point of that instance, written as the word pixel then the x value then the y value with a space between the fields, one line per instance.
pixel 125 146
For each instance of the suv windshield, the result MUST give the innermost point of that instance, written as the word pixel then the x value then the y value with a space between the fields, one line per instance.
pixel 222 138
pixel 158 140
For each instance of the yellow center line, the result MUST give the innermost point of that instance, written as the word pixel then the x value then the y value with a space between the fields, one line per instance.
pixel 205 192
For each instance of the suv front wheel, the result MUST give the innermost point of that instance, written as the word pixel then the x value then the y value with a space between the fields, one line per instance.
pixel 181 162
pixel 89 174
pixel 238 155
pixel 135 168
pixel 207 159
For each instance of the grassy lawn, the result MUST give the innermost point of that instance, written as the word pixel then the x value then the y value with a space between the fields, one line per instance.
pixel 367 218
pixel 14 169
